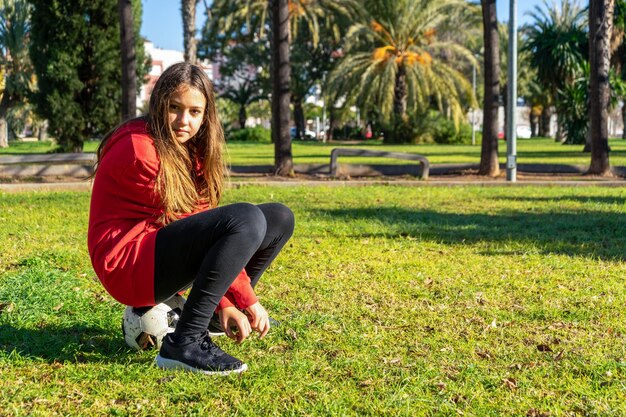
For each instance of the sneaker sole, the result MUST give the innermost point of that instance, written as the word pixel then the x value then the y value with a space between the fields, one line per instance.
pixel 216 334
pixel 173 364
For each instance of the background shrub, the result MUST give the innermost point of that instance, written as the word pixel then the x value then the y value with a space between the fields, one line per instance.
pixel 444 131
pixel 250 134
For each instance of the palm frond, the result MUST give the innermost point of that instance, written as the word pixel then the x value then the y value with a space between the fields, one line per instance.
pixel 403 34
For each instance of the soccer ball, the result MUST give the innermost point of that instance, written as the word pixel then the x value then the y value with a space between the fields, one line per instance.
pixel 145 329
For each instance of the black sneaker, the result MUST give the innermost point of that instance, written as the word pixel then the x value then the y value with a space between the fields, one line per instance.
pixel 200 355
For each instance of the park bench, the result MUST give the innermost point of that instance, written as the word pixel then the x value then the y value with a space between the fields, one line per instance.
pixel 79 165
pixel 335 153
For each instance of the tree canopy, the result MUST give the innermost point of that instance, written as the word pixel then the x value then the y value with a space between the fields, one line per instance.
pixel 395 60
pixel 16 72
pixel 78 67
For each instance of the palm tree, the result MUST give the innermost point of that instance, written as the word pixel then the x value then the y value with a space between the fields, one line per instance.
pixel 254 15
pixel 489 164
pixel 243 94
pixel 541 104
pixel 281 94
pixel 600 28
pixel 188 8
pixel 244 78
pixel 129 61
pixel 310 66
pixel 618 48
pixel 557 43
pixel 395 60
pixel 283 17
pixel 14 60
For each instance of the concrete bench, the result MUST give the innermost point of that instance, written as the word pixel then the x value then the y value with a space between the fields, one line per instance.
pixel 335 153
pixel 78 165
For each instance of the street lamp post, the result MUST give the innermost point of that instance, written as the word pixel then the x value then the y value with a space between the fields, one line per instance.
pixel 511 131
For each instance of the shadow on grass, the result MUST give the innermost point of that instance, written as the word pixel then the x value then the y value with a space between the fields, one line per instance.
pixel 593 234
pixel 579 199
pixel 77 344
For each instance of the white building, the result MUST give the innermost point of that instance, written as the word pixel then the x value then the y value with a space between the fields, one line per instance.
pixel 162 59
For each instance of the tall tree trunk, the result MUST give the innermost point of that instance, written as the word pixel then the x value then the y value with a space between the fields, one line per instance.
pixel 534 122
pixel 489 151
pixel 600 27
pixel 333 124
pixel 281 76
pixel 399 109
pixel 4 136
pixel 544 121
pixel 558 135
pixel 298 117
pixel 243 116
pixel 43 131
pixel 129 59
pixel 400 94
pixel 4 125
pixel 189 30
pixel 544 127
pixel 624 122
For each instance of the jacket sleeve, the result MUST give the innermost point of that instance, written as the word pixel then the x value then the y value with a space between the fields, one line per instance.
pixel 240 293
pixel 226 301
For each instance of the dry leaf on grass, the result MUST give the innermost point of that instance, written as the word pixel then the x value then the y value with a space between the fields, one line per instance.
pixel 533 412
pixel 8 307
pixel 292 334
pixel 510 383
pixel 485 354
pixel 365 383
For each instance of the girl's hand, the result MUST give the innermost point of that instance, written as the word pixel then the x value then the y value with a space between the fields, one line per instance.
pixel 259 319
pixel 231 316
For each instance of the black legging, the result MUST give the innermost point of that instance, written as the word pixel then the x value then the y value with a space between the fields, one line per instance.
pixel 209 249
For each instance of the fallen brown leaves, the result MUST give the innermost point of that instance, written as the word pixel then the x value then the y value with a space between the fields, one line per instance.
pixel 510 383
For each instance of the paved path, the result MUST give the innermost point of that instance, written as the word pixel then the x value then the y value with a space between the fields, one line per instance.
pixel 63 172
pixel 294 182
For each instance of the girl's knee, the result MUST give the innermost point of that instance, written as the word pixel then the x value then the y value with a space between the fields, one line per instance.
pixel 279 216
pixel 287 218
pixel 250 217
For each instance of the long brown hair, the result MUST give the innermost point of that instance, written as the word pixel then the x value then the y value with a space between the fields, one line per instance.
pixel 179 183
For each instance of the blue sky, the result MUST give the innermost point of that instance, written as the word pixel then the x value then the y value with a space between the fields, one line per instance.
pixel 162 21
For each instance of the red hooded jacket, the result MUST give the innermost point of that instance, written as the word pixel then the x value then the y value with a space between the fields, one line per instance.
pixel 125 206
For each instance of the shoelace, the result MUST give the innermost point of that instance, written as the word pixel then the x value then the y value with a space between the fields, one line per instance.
pixel 210 346
pixel 206 343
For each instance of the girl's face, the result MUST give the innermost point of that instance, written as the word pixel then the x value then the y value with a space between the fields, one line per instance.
pixel 186 112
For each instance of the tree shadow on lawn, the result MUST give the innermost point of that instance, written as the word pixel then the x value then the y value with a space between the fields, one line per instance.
pixel 593 234
pixel 76 344
pixel 429 154
pixel 553 153
pixel 573 198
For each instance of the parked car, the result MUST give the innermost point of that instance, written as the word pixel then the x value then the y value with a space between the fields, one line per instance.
pixel 308 134
pixel 523 132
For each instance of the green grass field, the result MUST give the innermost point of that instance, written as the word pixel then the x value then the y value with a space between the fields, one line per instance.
pixel 398 301
pixel 530 151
